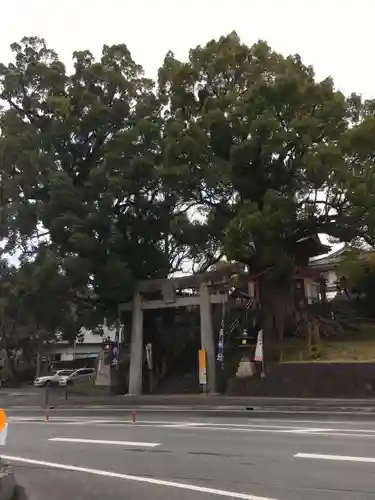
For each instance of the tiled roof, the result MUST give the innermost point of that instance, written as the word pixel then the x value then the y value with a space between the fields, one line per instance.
pixel 328 260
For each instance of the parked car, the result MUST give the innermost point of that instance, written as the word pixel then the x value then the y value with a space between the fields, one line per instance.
pixel 78 375
pixel 53 379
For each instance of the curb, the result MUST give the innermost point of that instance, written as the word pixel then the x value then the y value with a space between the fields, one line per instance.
pixel 7 483
pixel 224 410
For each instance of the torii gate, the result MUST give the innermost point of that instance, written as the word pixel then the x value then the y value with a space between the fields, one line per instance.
pixel 169 288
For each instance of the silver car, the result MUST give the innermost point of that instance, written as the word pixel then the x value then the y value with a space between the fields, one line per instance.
pixel 81 374
pixel 54 378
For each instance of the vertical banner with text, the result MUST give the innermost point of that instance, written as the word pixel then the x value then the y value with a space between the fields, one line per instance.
pixel 202 357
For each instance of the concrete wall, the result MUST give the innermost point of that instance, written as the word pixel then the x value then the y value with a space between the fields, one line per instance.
pixel 337 380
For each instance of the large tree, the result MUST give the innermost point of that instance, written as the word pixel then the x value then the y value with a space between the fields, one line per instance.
pixel 238 151
pixel 273 155
pixel 81 170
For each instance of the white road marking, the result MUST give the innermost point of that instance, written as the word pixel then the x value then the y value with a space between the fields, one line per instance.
pixel 129 409
pixel 307 430
pixel 230 425
pixel 85 422
pixel 58 421
pixel 341 458
pixel 344 432
pixel 22 394
pixel 103 441
pixel 139 479
pixel 186 410
pixel 54 417
pixel 307 421
pixel 181 425
pixel 17 418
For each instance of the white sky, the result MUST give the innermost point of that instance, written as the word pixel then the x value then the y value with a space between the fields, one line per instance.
pixel 333 35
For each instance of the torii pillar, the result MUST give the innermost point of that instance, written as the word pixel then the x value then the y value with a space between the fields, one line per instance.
pixel 207 335
pixel 136 348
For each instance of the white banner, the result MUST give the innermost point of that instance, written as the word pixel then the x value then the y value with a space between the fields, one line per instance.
pixel 149 355
pixel 259 347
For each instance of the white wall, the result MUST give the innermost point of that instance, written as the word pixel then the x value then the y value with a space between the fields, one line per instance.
pixel 331 278
pixel 90 347
pixel 312 290
pixel 81 351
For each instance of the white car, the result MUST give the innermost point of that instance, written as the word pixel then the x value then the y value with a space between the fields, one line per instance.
pixel 54 378
pixel 82 373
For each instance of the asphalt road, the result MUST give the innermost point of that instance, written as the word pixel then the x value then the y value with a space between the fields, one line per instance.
pixel 96 456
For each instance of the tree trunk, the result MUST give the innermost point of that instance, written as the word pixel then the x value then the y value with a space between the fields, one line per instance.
pixel 277 304
pixel 38 362
pixel 9 364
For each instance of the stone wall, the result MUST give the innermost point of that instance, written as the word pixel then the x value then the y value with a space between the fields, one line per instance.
pixel 338 380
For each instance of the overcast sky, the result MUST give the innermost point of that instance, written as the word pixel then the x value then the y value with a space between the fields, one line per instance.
pixel 332 35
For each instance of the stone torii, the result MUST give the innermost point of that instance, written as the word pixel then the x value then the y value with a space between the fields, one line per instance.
pixel 170 291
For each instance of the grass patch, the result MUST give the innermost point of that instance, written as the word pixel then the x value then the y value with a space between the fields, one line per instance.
pixel 366 332
pixel 351 347
pixel 85 386
pixel 355 351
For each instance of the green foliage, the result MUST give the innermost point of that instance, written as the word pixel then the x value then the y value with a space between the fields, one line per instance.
pixel 38 301
pixel 78 156
pixel 82 174
pixel 356 273
pixel 284 155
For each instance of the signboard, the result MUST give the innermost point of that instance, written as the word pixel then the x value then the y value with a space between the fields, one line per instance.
pixel 116 347
pixel 149 355
pixel 3 427
pixel 202 367
pixel 115 355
